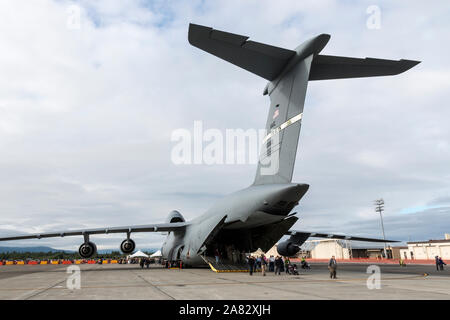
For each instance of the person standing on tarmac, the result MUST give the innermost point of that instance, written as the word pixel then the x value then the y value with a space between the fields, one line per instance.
pixel 271 263
pixel 436 259
pixel 263 265
pixel 287 262
pixel 332 266
pixel 278 264
pixel 251 264
pixel 441 264
pixel 258 263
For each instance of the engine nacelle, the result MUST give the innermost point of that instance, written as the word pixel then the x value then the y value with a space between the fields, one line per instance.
pixel 291 246
pixel 174 216
pixel 87 250
pixel 127 246
pixel 287 248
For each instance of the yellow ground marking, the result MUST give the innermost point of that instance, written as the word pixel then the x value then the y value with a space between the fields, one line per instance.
pixel 216 270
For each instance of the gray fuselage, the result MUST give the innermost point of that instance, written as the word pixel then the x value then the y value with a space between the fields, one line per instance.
pixel 235 220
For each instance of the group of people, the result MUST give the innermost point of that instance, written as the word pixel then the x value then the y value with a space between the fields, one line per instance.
pixel 272 264
pixel 439 263
pixel 145 262
pixel 255 263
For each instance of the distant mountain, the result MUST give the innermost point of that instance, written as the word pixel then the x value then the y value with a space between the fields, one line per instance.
pixel 32 249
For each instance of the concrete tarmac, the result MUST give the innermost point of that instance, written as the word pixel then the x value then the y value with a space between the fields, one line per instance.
pixel 49 282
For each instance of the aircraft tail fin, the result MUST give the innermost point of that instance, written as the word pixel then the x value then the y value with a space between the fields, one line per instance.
pixel 288 72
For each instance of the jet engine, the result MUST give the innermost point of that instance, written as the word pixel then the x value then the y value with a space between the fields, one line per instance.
pixel 87 250
pixel 292 245
pixel 174 216
pixel 287 248
pixel 127 246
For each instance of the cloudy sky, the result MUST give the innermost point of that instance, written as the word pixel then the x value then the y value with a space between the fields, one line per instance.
pixel 91 91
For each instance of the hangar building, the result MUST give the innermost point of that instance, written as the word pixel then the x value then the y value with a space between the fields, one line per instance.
pixel 427 250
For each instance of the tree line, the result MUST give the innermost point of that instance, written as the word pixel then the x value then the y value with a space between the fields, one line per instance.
pixel 13 255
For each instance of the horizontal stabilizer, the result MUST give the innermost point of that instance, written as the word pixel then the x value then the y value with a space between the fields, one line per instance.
pixel 261 59
pixel 332 67
pixel 335 236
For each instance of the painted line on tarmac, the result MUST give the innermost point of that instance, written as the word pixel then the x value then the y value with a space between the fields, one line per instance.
pixel 38 291
pixel 153 286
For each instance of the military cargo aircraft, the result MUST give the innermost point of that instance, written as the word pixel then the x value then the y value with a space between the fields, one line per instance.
pixel 260 215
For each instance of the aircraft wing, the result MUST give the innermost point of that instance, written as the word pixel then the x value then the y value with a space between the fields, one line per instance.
pixel 307 234
pixel 161 227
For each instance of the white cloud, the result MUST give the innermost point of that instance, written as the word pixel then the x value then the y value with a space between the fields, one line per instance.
pixel 86 114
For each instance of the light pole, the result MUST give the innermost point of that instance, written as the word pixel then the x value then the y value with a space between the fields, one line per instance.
pixel 379 207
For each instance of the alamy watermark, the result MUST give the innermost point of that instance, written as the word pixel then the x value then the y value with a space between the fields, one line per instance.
pixel 234 146
pixel 74 279
pixel 73 21
pixel 374 19
pixel 374 280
